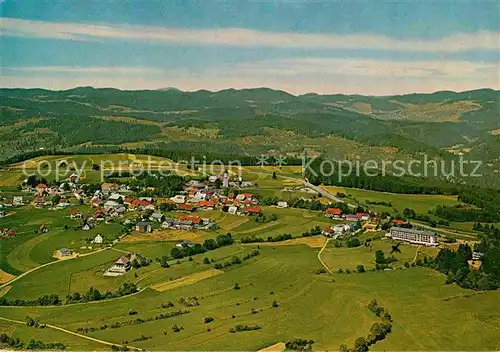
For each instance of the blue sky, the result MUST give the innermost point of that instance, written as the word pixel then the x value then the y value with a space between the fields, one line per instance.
pixel 370 47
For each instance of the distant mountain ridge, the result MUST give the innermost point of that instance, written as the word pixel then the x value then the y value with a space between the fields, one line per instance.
pixel 252 121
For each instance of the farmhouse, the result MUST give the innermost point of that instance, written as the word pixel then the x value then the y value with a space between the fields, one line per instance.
pixel 87 226
pixel 98 215
pixel 157 217
pixel 186 207
pixel 194 219
pixel 333 213
pixel 243 196
pixel 167 223
pixel 109 187
pixel 64 252
pixel 116 197
pixel 121 266
pixel 185 244
pixel 398 222
pixel 282 204
pixel 363 216
pixel 41 188
pixel 16 201
pixel 143 226
pixel 352 217
pixel 43 229
pixel 251 210
pixel 183 225
pixel 413 236
pixel 178 199
pixel 75 214
pixel 111 204
pixel 205 204
pixel 97 239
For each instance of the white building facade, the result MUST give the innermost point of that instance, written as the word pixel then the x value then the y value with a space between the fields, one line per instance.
pixel 413 236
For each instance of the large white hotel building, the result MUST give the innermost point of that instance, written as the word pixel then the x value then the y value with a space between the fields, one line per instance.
pixel 413 236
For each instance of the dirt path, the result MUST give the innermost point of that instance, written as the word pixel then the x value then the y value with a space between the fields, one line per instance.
pixel 416 254
pixel 321 260
pixel 47 264
pixel 74 334
pixel 277 347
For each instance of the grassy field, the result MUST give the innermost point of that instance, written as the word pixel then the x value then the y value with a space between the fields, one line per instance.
pixel 29 249
pixel 53 167
pixel 310 306
pixel 293 221
pixel 348 258
pixel 25 334
pixel 421 203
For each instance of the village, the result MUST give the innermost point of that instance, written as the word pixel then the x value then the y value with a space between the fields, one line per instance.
pixel 91 206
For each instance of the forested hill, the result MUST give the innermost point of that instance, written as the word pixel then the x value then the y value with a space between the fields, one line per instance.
pixel 253 121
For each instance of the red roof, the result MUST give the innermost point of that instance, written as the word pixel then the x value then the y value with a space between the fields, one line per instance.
pixel 329 230
pixel 205 203
pixel 193 218
pixel 252 210
pixel 187 207
pixel 75 211
pixel 98 214
pixel 41 185
pixel 398 221
pixel 334 211
pixel 122 260
pixel 361 214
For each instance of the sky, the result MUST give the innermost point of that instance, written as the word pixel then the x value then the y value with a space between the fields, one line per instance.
pixel 327 47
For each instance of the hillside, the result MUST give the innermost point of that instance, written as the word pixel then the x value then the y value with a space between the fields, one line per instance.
pixel 252 121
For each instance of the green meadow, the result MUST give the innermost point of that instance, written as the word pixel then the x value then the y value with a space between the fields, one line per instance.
pixel 329 309
pixel 421 203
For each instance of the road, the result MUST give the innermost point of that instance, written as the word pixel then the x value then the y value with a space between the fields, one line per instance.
pixel 320 191
pixel 305 183
pixel 73 333
pixel 321 260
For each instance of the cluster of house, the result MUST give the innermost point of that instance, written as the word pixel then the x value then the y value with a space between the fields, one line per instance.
pixel 339 230
pixel 121 265
pixel 336 213
pixel 198 195
pixel 7 233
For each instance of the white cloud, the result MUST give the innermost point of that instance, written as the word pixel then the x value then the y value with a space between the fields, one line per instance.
pixel 483 40
pixel 112 70
pixel 295 75
pixel 443 69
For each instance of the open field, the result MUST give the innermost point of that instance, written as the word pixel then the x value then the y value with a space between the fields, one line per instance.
pixel 313 242
pixel 348 258
pixel 290 220
pixel 61 166
pixel 25 334
pixel 167 235
pixel 4 277
pixel 421 203
pixel 188 280
pixel 310 306
pixel 29 249
pixel 11 178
